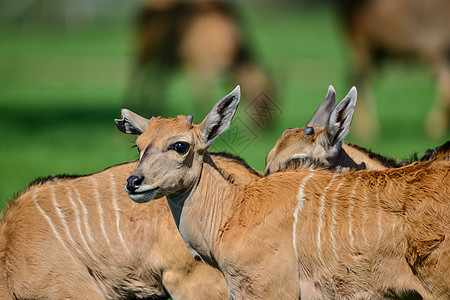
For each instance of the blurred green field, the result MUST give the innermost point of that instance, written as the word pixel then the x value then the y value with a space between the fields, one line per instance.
pixel 61 89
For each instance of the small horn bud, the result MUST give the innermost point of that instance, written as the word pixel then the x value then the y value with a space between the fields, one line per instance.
pixel 190 117
pixel 308 131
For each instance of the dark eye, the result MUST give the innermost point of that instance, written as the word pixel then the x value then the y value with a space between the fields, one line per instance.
pixel 308 131
pixel 181 147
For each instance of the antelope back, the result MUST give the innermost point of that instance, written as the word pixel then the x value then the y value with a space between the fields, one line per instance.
pixel 235 169
pixel 440 153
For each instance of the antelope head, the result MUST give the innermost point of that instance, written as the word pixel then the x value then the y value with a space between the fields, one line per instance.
pixel 321 139
pixel 171 150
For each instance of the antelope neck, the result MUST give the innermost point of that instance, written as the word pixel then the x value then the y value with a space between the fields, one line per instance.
pixel 201 210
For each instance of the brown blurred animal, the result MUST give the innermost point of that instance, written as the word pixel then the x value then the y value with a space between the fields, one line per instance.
pixel 204 38
pixel 81 237
pixel 309 234
pixel 402 28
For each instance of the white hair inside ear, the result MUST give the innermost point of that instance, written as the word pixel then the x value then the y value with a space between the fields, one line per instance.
pixel 219 118
pixel 341 118
pixel 131 123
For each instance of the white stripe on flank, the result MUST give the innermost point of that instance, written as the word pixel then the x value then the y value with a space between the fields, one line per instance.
pixel 364 215
pixel 394 225
pixel 49 220
pixel 77 214
pixel 117 212
pixel 100 210
pixel 61 215
pixel 301 199
pixel 321 213
pixel 63 221
pixel 350 211
pixel 334 222
pixel 85 216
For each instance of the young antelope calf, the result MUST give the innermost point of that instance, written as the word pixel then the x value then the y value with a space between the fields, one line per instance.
pixel 82 238
pixel 322 140
pixel 308 234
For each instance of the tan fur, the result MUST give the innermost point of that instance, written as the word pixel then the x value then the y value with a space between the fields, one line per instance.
pixel 406 29
pixel 361 157
pixel 4 291
pixel 380 232
pixel 53 244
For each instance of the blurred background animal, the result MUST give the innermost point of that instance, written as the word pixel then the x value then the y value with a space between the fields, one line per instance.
pixel 206 40
pixel 414 29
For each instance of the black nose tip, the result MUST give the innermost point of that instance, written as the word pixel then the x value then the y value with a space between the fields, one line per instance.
pixel 134 182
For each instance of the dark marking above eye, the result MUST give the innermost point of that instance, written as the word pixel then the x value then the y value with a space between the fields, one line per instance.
pixel 308 131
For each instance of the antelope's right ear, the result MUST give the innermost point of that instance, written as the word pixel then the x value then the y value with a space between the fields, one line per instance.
pixel 131 123
pixel 219 118
pixel 322 114
pixel 341 118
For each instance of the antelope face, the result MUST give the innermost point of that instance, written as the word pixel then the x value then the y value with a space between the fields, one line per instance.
pixel 167 161
pixel 171 150
pixel 321 140
pixel 306 142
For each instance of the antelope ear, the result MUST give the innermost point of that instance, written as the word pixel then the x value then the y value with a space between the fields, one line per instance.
pixel 219 118
pixel 131 123
pixel 341 118
pixel 322 114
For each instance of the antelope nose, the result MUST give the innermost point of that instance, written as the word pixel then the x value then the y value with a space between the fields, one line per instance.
pixel 134 182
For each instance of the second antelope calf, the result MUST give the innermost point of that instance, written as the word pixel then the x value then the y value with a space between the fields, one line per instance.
pixel 322 140
pixel 309 234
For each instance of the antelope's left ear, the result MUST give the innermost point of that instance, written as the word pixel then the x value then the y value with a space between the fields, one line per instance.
pixel 322 114
pixel 219 118
pixel 341 118
pixel 131 123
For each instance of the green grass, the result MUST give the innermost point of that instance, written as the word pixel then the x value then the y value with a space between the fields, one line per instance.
pixel 61 90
